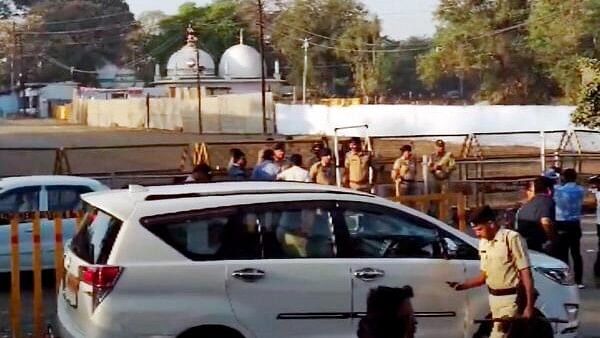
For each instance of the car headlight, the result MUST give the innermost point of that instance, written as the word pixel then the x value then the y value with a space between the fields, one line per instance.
pixel 572 312
pixel 559 275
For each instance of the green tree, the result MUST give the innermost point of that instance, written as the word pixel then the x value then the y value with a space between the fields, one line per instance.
pixel 485 43
pixel 330 25
pixel 587 113
pixel 85 34
pixel 217 25
pixel 560 32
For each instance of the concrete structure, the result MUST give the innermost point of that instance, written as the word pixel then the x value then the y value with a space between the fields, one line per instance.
pixel 239 70
pixel 9 103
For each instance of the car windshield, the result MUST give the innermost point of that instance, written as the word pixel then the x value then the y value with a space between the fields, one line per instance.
pixel 95 238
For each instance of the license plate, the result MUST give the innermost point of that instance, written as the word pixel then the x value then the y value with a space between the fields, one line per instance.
pixel 71 289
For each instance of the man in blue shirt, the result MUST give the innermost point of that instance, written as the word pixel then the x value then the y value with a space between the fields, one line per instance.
pixel 569 201
pixel 267 170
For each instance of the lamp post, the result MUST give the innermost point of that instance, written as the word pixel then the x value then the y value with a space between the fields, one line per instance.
pixel 261 23
pixel 199 69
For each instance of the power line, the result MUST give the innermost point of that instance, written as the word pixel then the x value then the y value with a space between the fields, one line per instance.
pixel 79 31
pixel 87 19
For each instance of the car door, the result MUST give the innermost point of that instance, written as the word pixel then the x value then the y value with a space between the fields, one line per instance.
pixel 297 287
pixel 63 199
pixel 391 248
pixel 25 201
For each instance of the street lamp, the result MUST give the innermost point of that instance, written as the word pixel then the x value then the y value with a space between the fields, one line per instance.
pixel 199 69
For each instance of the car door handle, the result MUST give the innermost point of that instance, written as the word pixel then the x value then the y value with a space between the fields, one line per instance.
pixel 248 275
pixel 368 274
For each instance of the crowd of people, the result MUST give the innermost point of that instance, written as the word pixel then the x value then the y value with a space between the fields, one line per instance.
pixel 357 172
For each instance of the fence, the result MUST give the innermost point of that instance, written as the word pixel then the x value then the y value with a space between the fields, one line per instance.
pixel 442 204
pixel 36 218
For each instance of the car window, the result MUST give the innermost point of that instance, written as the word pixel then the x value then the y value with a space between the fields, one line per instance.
pixel 96 236
pixel 217 234
pixel 65 198
pixel 24 199
pixel 294 230
pixel 379 232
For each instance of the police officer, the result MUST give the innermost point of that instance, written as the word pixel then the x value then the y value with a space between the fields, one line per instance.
pixel 505 268
pixel 404 172
pixel 441 165
pixel 323 172
pixel 356 165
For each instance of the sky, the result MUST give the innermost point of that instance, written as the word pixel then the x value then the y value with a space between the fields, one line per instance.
pixel 401 18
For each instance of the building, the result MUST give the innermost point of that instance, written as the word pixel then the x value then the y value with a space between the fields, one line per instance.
pixel 239 70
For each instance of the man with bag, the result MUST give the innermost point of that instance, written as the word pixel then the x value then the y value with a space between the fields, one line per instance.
pixel 505 269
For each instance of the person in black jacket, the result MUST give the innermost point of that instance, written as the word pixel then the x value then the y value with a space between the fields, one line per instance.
pixel 389 314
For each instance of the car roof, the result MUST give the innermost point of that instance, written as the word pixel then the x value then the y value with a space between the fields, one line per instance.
pixel 121 203
pixel 24 181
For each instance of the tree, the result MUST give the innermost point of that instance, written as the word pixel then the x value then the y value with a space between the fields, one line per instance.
pixel 485 42
pixel 366 66
pixel 558 45
pixel 328 24
pixel 150 22
pixel 217 26
pixel 587 113
pixel 84 34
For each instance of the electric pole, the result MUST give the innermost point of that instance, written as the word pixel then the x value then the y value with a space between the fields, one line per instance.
pixel 305 71
pixel 261 24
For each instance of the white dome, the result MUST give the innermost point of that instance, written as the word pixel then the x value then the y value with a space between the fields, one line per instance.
pixel 183 63
pixel 240 61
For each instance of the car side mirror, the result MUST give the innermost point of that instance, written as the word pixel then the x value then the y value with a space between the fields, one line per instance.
pixel 450 248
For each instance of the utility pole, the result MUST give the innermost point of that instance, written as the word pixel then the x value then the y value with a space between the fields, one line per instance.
pixel 305 71
pixel 261 24
pixel 199 69
pixel 13 56
pixel 22 75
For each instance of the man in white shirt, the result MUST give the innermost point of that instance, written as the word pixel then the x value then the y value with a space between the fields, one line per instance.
pixel 294 173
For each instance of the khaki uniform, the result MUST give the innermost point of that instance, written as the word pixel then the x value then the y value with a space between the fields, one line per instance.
pixel 321 174
pixel 501 260
pixel 356 173
pixel 404 174
pixel 440 177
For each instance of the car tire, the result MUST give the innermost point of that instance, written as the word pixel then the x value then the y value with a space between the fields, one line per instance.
pixel 211 331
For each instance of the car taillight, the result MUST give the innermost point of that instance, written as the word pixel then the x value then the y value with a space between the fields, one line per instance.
pixel 102 279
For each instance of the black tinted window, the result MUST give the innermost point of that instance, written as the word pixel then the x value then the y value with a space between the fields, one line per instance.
pixel 24 199
pixel 377 232
pixel 65 198
pixel 210 235
pixel 294 230
pixel 94 240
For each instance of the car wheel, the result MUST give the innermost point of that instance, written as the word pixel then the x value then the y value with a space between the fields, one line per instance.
pixel 211 331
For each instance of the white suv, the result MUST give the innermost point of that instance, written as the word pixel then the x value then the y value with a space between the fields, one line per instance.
pixel 271 260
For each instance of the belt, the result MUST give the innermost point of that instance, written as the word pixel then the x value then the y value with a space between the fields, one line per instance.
pixel 407 181
pixel 360 182
pixel 502 292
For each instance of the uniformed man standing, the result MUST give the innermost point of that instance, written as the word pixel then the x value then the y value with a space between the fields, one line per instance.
pixel 441 165
pixel 323 172
pixel 404 172
pixel 505 268
pixel 356 167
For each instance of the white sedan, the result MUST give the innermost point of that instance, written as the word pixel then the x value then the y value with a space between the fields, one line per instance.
pixel 29 194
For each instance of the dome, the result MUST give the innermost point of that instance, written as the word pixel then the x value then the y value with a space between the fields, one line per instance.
pixel 240 61
pixel 183 63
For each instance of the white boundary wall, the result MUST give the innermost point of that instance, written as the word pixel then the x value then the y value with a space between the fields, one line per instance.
pixel 398 120
pixel 395 120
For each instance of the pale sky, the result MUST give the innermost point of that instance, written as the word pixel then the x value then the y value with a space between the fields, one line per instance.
pixel 401 18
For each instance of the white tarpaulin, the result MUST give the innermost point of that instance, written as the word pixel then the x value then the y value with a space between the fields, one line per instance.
pixel 397 120
pixel 234 114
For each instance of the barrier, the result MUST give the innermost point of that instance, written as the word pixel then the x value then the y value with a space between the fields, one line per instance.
pixel 16 308
pixel 440 202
